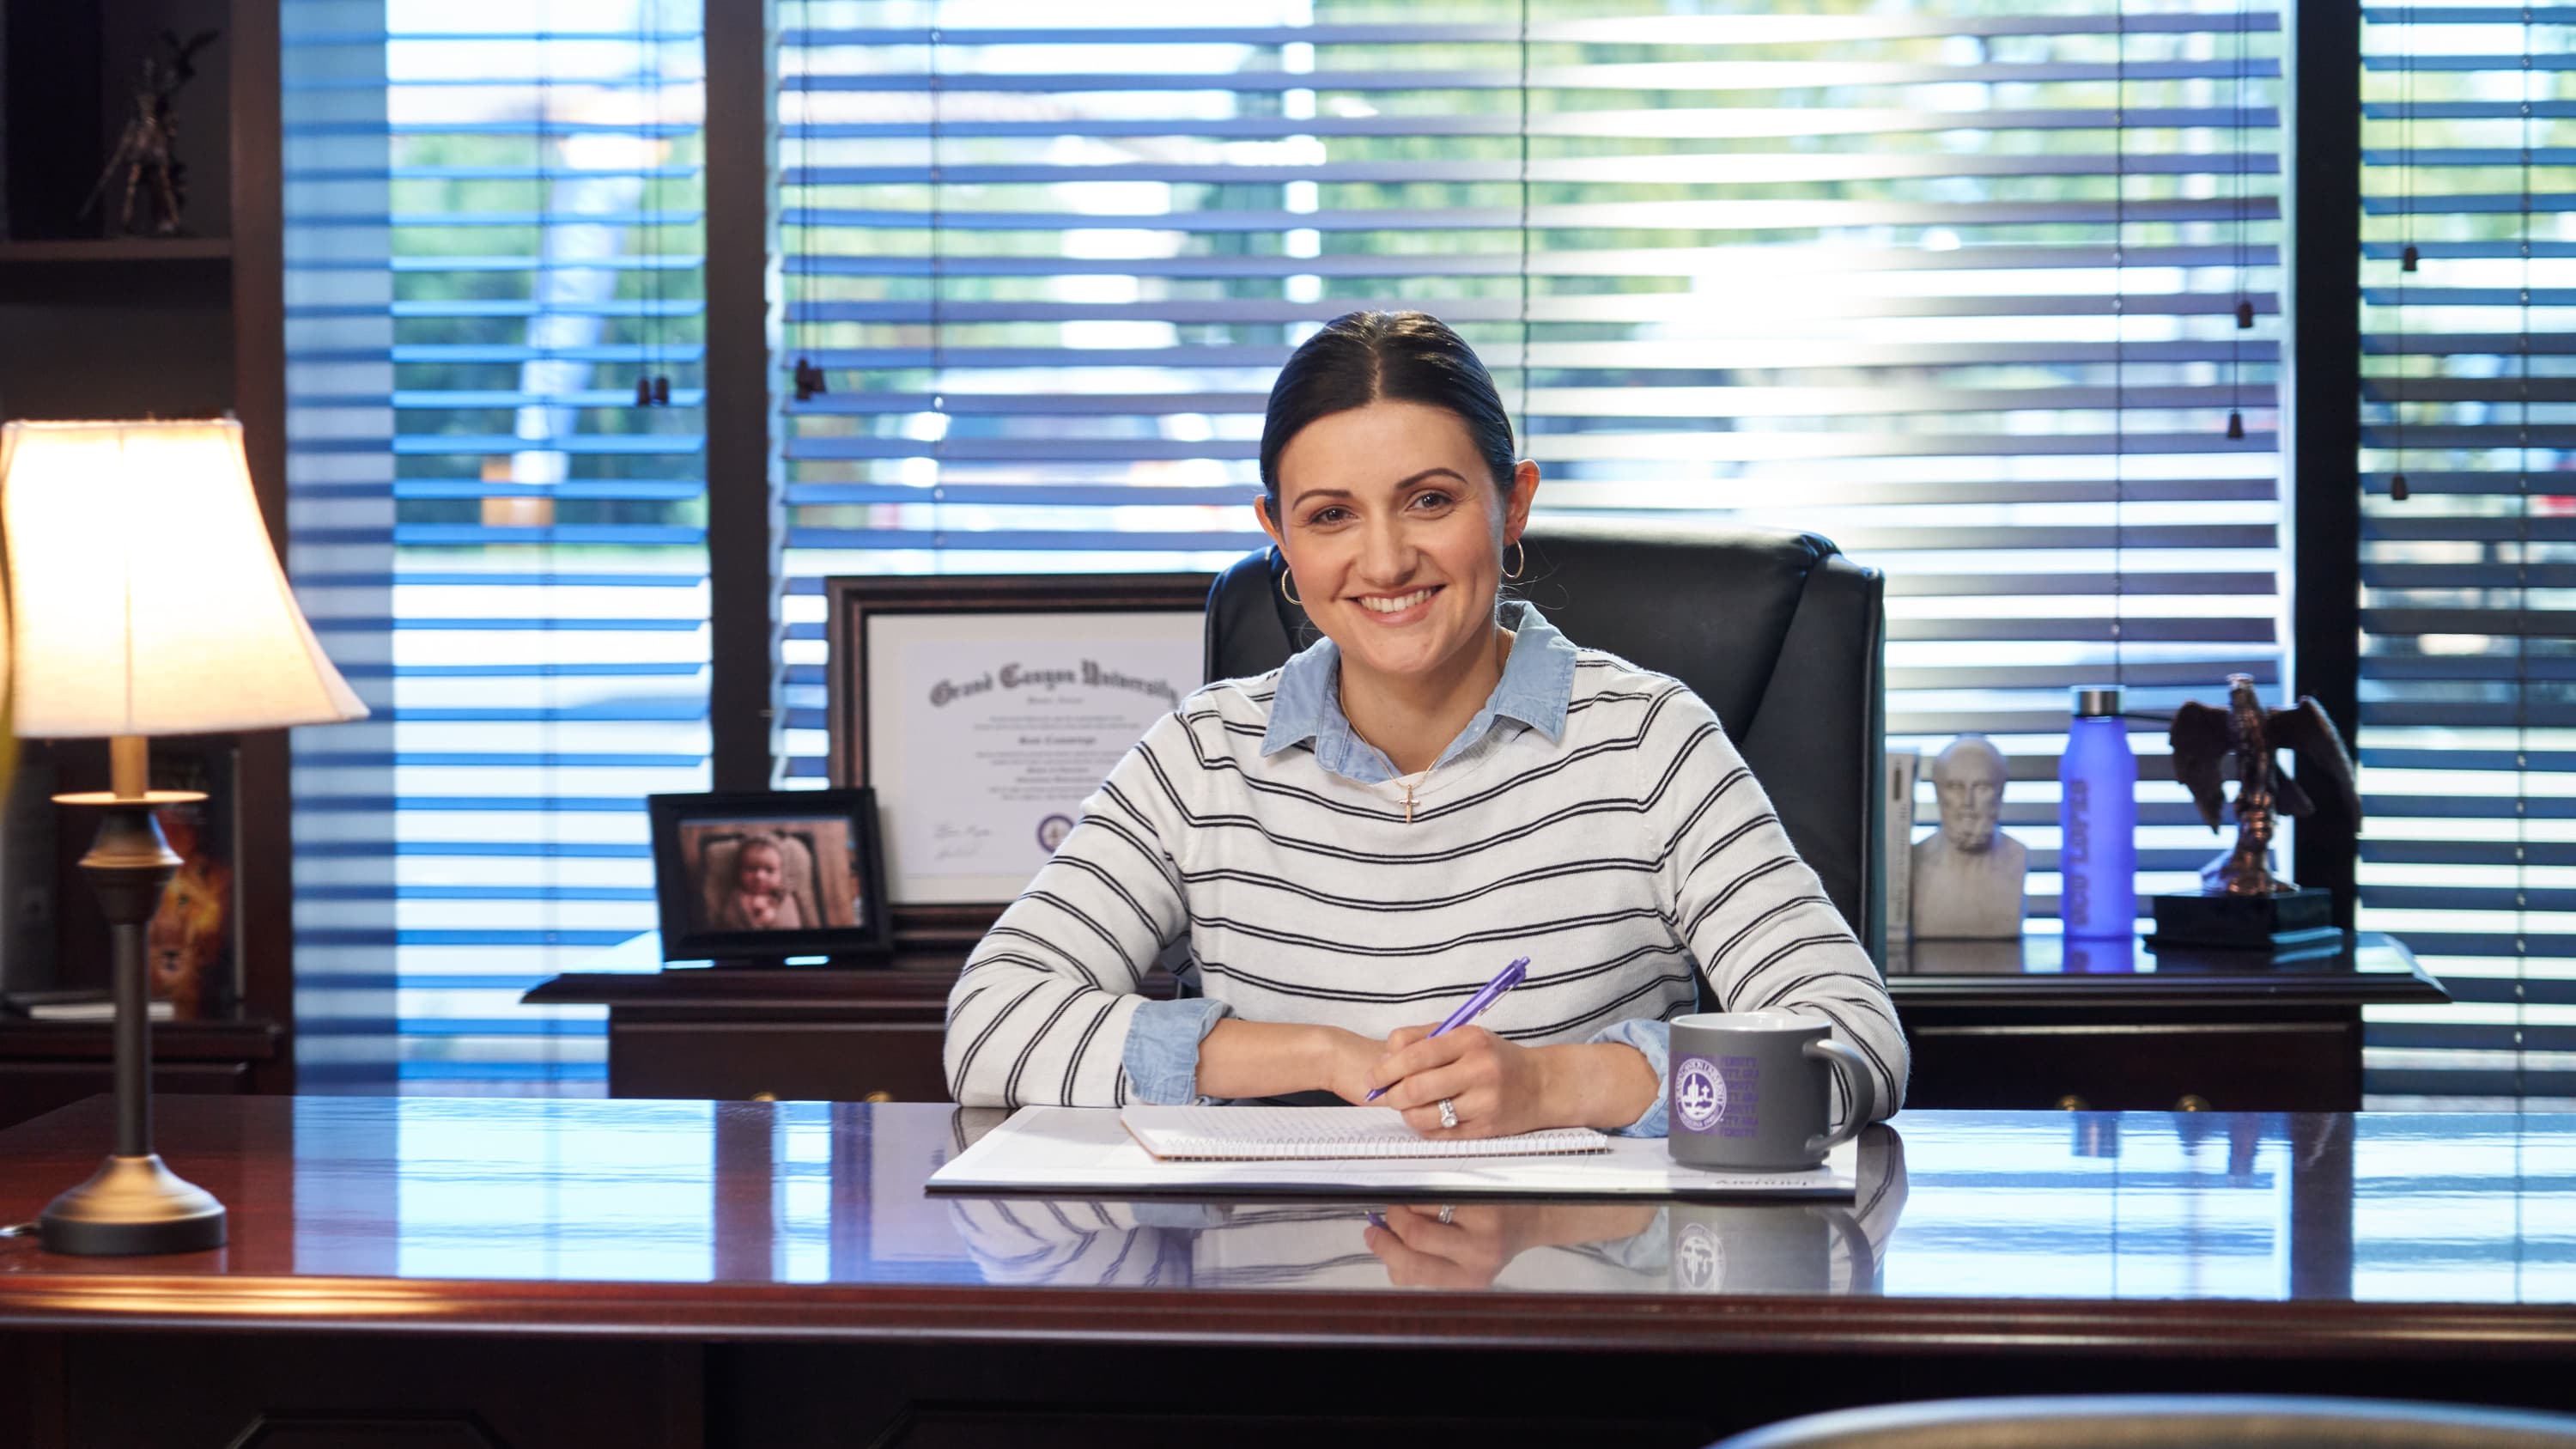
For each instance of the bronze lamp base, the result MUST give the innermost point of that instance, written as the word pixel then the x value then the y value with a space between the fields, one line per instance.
pixel 132 1204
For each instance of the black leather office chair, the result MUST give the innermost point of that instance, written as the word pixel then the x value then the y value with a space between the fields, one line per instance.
pixel 2165 1421
pixel 1778 631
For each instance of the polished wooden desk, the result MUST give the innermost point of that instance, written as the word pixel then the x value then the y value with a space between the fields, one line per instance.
pixel 1994 1024
pixel 426 1272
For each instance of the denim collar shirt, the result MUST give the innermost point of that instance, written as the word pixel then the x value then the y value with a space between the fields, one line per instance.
pixel 1537 684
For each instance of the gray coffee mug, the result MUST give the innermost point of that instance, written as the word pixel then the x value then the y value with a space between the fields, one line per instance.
pixel 1749 1090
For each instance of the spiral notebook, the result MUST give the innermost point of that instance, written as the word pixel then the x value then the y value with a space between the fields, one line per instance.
pixel 1270 1134
pixel 1090 1152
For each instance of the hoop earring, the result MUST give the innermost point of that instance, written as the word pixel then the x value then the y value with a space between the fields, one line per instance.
pixel 1517 569
pixel 1284 577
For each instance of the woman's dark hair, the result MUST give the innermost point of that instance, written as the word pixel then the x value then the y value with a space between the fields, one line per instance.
pixel 1362 357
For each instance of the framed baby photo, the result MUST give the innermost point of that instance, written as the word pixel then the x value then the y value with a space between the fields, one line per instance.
pixel 759 877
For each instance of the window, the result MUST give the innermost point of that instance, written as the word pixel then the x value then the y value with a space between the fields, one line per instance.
pixel 491 234
pixel 2469 852
pixel 1956 284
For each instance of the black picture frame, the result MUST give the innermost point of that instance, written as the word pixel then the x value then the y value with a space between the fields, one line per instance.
pixel 851 601
pixel 687 831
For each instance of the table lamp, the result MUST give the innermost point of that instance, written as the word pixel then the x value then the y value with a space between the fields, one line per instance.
pixel 145 600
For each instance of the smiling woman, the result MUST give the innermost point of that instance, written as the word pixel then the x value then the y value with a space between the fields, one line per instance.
pixel 1349 845
pixel 1391 490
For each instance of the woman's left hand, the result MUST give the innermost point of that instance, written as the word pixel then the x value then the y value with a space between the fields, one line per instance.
pixel 1496 1087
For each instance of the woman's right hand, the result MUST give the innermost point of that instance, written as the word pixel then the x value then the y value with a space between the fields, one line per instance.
pixel 1241 1059
pixel 1349 1061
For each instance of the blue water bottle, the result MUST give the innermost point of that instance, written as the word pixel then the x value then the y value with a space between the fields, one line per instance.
pixel 2097 813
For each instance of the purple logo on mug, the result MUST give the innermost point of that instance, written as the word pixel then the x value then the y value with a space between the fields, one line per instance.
pixel 1699 1093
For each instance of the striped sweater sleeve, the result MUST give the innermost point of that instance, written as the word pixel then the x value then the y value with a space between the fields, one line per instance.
pixel 1755 916
pixel 1040 1012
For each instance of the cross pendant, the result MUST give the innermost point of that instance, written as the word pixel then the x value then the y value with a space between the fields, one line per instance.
pixel 1408 804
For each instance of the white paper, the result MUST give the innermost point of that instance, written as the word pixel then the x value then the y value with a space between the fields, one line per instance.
pixel 1086 1151
pixel 1250 1133
pixel 985 733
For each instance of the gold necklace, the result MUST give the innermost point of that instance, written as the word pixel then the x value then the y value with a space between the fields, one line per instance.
pixel 1417 782
pixel 1424 778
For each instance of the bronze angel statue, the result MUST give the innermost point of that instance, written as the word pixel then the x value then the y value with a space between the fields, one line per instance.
pixel 146 164
pixel 2204 737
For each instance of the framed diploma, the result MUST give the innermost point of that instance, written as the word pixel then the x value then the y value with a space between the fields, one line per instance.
pixel 982 710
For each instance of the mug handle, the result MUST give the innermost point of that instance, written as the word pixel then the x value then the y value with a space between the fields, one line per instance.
pixel 1860 1092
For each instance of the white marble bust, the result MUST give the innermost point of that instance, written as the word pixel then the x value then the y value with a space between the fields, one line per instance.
pixel 1968 877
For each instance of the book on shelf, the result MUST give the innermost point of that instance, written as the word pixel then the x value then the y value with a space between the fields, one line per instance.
pixel 1903 767
pixel 69 1006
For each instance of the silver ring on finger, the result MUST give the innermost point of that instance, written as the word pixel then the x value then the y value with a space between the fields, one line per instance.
pixel 1448 1214
pixel 1448 1113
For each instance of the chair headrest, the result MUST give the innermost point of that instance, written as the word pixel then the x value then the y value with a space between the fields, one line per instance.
pixel 1709 604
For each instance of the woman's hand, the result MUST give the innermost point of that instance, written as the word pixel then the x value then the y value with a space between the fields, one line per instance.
pixel 1350 1064
pixel 1499 1087
pixel 1445 1247
pixel 1239 1059
pixel 1466 1247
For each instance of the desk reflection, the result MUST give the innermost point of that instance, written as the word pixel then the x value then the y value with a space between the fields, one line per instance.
pixel 2430 1208
pixel 1529 1247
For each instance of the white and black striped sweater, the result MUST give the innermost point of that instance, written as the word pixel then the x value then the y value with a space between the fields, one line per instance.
pixel 1618 858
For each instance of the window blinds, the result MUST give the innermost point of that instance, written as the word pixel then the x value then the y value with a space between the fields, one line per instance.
pixel 1954 282
pixel 2467 757
pixel 491 238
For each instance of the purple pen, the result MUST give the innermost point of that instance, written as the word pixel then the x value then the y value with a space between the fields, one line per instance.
pixel 1509 977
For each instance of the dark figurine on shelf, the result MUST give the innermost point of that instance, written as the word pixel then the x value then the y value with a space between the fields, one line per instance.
pixel 2241 901
pixel 2203 737
pixel 146 158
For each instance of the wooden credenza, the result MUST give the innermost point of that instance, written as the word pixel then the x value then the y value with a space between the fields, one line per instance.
pixel 49 1064
pixel 1998 1025
pixel 2020 1026
pixel 748 1035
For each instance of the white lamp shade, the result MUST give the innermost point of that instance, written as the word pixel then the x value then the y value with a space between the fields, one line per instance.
pixel 145 599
